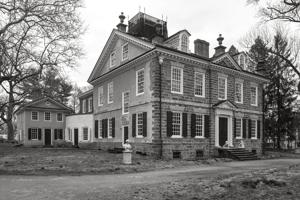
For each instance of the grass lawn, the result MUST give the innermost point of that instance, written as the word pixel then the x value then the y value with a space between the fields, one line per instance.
pixel 48 161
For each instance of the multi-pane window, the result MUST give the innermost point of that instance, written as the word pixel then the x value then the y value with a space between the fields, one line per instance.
pixel 59 117
pixel 199 84
pixel 34 115
pixel 125 102
pixel 58 134
pixel 110 92
pixel 70 134
pixel 34 133
pixel 239 128
pixel 184 43
pixel 199 125
pixel 140 80
pixel 85 133
pixel 112 59
pixel 176 124
pixel 177 80
pixel 242 61
pixel 253 95
pixel 110 127
pixel 100 96
pixel 47 116
pixel 100 129
pixel 90 104
pixel 253 129
pixel 139 124
pixel 83 106
pixel 222 87
pixel 239 92
pixel 125 51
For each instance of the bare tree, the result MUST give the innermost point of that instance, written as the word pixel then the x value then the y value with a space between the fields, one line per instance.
pixel 34 35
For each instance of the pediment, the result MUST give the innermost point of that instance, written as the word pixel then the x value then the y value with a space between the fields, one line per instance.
pixel 227 61
pixel 116 40
pixel 47 103
pixel 225 104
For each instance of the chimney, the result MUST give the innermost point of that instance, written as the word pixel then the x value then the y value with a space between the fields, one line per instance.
pixel 158 35
pixel 201 48
pixel 121 26
pixel 219 49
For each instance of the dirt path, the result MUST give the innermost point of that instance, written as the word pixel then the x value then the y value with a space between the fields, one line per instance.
pixel 122 186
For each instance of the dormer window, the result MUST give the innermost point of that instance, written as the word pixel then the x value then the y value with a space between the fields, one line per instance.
pixel 112 59
pixel 184 43
pixel 125 52
pixel 242 61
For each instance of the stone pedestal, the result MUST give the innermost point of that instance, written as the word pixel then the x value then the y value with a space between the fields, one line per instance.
pixel 127 157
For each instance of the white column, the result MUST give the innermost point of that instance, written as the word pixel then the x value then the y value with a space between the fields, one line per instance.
pixel 216 130
pixel 230 137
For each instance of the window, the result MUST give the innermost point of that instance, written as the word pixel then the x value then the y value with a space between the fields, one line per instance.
pixel 59 117
pixel 100 129
pixel 85 134
pixel 83 106
pixel 125 52
pixel 110 92
pixel 184 43
pixel 139 124
pixel 222 88
pixel 253 129
pixel 177 80
pixel 239 128
pixel 253 96
pixel 47 116
pixel 242 61
pixel 110 127
pixel 70 134
pixel 112 59
pixel 100 96
pixel 125 100
pixel 58 134
pixel 199 84
pixel 140 79
pixel 34 116
pixel 199 126
pixel 176 124
pixel 34 133
pixel 238 92
pixel 90 104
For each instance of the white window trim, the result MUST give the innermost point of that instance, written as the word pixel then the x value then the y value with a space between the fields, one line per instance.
pixel 99 96
pixel 225 93
pixel 203 85
pixel 37 114
pixel 62 119
pixel 88 135
pixel 242 91
pixel 197 136
pixel 181 80
pixel 90 108
pixel 123 59
pixel 254 138
pixel 136 81
pixel 256 95
pixel 45 116
pixel 37 134
pixel 108 91
pixel 108 121
pixel 110 64
pixel 123 102
pixel 69 134
pixel 84 106
pixel 177 136
pixel 100 132
pixel 241 131
pixel 137 127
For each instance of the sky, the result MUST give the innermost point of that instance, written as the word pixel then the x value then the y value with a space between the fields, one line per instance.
pixel 204 19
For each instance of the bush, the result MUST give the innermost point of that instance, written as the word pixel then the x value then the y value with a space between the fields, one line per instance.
pixel 62 144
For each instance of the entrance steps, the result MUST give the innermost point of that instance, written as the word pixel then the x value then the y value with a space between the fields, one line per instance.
pixel 238 154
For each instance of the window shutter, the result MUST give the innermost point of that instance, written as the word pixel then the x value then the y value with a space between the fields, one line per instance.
pixel 133 125
pixel 55 134
pixel 244 128
pixel 234 127
pixel 113 127
pixel 258 129
pixel 39 134
pixel 206 126
pixel 145 124
pixel 96 129
pixel 29 134
pixel 249 128
pixel 193 125
pixel 169 123
pixel 103 128
pixel 184 124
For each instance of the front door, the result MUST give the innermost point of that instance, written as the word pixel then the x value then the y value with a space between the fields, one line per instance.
pixel 47 137
pixel 125 134
pixel 223 130
pixel 76 137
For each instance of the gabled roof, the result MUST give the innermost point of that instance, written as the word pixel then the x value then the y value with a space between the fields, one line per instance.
pixel 116 33
pixel 86 93
pixel 44 99
pixel 177 33
pixel 224 56
pixel 225 104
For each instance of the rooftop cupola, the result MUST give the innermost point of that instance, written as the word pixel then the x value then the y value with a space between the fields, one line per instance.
pixel 121 26
pixel 219 49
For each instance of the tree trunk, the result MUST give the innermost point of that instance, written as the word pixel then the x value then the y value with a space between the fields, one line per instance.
pixel 9 114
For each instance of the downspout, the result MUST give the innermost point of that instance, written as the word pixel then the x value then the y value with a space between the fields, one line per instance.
pixel 160 62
